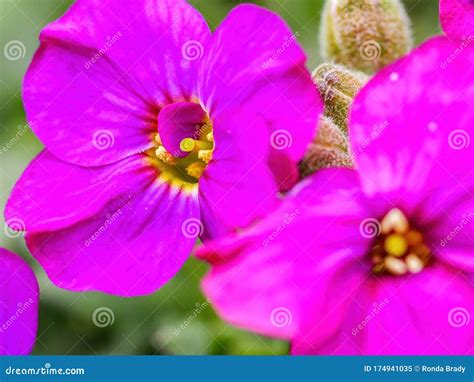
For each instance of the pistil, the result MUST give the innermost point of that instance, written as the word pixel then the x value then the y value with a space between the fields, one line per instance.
pixel 189 145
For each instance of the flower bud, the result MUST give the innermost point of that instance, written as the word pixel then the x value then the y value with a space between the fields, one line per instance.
pixel 329 149
pixel 364 34
pixel 338 87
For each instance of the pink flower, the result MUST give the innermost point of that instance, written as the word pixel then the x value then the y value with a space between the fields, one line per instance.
pixel 457 18
pixel 18 305
pixel 156 132
pixel 378 260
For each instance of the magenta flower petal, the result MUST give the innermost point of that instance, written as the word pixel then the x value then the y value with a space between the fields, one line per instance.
pixel 104 69
pixel 406 124
pixel 380 264
pixel 18 305
pixel 449 211
pixel 418 315
pixel 264 108
pixel 323 328
pixel 430 301
pixel 254 59
pixel 267 278
pixel 126 249
pixel 284 169
pixel 156 115
pixel 233 196
pixel 457 19
pixel 52 194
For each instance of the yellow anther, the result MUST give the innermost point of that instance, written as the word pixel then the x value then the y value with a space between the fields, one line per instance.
pixel 395 266
pixel 414 263
pixel 395 220
pixel 205 155
pixel 195 169
pixel 187 145
pixel 165 156
pixel 395 245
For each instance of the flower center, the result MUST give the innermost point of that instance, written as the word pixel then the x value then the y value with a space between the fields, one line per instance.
pixel 183 144
pixel 399 249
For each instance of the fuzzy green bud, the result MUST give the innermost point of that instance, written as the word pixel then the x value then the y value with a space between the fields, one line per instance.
pixel 364 34
pixel 329 149
pixel 338 87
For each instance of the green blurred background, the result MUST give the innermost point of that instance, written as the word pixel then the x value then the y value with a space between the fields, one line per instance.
pixel 176 319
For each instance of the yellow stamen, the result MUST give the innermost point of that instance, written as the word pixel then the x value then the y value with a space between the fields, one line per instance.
pixel 395 266
pixel 395 220
pixel 395 245
pixel 210 136
pixel 205 155
pixel 165 156
pixel 195 169
pixel 414 263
